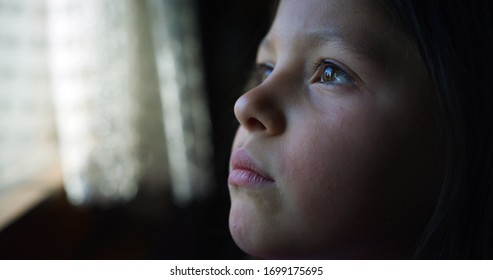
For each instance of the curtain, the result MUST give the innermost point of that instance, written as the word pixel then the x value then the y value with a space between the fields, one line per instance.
pixel 112 90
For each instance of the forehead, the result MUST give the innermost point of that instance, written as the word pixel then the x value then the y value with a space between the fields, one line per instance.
pixel 359 25
pixel 335 14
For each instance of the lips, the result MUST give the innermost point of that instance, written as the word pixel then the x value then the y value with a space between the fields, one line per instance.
pixel 245 172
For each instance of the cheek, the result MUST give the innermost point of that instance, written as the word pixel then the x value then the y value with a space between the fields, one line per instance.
pixel 326 156
pixel 354 176
pixel 312 168
pixel 333 173
pixel 321 174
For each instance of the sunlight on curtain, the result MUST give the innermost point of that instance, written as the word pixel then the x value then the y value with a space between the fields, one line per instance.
pixel 129 109
pixel 27 132
pixel 183 99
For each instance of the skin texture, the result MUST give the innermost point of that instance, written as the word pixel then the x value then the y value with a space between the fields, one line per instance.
pixel 354 165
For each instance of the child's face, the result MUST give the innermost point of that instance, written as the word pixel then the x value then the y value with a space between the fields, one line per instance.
pixel 336 155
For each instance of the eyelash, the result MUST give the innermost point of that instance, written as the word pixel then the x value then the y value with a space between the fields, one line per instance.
pixel 339 76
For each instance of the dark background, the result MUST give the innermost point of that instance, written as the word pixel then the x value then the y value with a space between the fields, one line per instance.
pixel 145 228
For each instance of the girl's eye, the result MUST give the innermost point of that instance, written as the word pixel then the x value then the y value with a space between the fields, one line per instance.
pixel 263 71
pixel 258 75
pixel 329 73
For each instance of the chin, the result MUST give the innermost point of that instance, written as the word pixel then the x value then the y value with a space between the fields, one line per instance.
pixel 264 244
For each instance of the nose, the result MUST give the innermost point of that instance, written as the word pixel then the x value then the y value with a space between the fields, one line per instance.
pixel 261 110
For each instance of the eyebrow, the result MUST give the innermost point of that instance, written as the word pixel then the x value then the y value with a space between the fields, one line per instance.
pixel 367 48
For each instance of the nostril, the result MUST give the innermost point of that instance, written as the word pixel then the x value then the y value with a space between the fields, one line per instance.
pixel 254 124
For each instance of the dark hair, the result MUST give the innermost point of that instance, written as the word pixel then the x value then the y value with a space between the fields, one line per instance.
pixel 455 38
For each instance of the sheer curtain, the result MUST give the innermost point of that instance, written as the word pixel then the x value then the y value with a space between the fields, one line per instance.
pixel 111 89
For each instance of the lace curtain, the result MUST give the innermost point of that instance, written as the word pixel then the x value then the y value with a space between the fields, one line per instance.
pixel 111 89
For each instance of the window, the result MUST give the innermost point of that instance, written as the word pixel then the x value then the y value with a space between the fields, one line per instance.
pixel 106 96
